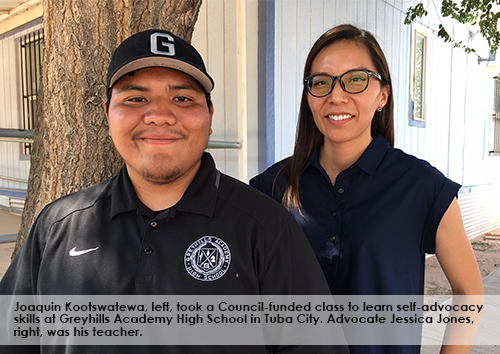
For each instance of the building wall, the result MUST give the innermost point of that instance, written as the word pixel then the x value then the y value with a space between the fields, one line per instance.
pixel 226 36
pixel 12 162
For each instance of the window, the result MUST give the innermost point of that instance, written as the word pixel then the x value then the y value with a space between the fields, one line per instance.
pixel 417 82
pixel 495 145
pixel 31 50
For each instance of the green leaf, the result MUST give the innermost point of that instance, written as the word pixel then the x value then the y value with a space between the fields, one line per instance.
pixel 467 12
pixel 414 12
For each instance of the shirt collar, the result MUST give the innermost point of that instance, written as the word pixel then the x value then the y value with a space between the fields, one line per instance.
pixel 369 160
pixel 373 155
pixel 123 196
pixel 314 160
pixel 200 197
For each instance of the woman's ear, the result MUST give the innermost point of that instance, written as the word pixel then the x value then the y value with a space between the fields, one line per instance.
pixel 386 91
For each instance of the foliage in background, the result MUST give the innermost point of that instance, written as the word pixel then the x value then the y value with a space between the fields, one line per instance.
pixel 474 12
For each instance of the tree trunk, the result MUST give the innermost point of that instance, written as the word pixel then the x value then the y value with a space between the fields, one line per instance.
pixel 72 149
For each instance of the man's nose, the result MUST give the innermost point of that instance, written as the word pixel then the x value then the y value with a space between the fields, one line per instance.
pixel 160 112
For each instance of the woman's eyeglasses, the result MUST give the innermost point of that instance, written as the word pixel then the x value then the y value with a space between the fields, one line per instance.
pixel 354 81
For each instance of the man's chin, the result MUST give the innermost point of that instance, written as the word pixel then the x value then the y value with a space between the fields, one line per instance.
pixel 160 177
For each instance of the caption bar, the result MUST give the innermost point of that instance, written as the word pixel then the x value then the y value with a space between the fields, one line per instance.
pixel 247 320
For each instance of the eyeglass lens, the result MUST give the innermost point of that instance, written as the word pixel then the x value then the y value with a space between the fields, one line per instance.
pixel 351 82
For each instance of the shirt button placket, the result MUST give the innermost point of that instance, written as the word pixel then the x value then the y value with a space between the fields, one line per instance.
pixel 148 250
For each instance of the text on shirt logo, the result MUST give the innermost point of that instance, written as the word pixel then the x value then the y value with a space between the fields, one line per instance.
pixel 207 259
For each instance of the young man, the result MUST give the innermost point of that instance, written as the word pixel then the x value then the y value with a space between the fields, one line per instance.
pixel 169 223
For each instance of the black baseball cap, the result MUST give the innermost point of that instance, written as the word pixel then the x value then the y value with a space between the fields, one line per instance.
pixel 157 48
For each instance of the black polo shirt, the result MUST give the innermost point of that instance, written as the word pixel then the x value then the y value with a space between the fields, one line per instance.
pixel 139 252
pixel 371 230
pixel 223 237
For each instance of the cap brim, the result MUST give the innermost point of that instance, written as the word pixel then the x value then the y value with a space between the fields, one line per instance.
pixel 170 63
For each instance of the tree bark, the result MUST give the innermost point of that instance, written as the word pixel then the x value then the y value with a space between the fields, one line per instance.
pixel 72 149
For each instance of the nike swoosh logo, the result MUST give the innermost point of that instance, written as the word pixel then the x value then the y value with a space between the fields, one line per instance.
pixel 75 253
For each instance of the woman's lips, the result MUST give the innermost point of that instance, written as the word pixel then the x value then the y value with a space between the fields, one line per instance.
pixel 339 117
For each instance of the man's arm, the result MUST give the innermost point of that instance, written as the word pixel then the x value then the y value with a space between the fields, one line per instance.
pixel 294 270
pixel 20 279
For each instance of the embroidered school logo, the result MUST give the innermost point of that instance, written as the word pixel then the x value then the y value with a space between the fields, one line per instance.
pixel 207 259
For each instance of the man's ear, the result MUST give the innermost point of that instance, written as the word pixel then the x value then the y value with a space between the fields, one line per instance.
pixel 106 111
pixel 211 118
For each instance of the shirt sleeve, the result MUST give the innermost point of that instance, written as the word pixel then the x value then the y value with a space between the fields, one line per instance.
pixel 271 182
pixel 261 183
pixel 444 197
pixel 20 279
pixel 292 268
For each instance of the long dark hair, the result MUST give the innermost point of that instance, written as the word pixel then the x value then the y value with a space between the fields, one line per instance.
pixel 308 137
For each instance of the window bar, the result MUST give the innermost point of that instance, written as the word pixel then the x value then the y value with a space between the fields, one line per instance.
pixel 30 47
pixel 496 144
pixel 36 43
pixel 27 92
pixel 23 75
pixel 30 84
pixel 496 118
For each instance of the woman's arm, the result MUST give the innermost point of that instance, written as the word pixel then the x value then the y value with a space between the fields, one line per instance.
pixel 454 253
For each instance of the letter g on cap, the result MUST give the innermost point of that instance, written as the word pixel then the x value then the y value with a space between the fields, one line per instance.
pixel 160 47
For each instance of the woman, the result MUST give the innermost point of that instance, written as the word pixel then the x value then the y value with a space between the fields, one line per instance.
pixel 370 211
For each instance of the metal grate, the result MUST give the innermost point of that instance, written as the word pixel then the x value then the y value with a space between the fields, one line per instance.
pixel 32 47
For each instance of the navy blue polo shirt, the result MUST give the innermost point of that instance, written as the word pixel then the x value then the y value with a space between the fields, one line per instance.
pixel 371 230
